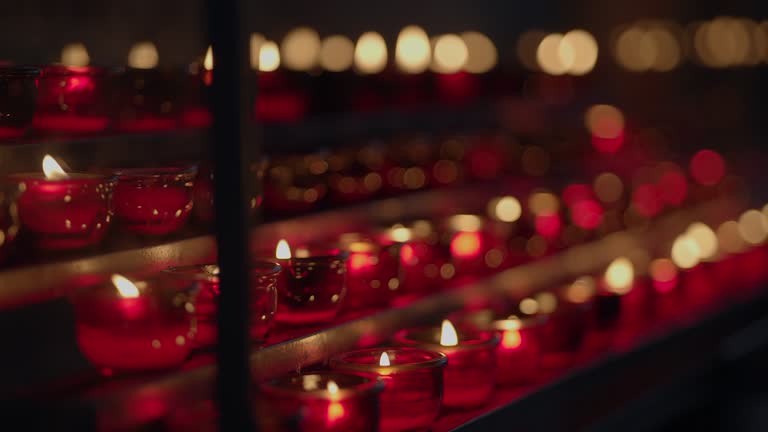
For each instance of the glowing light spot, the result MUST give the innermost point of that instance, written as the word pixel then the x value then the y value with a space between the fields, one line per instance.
pixel 256 42
pixel 75 54
pixel 753 227
pixel 666 49
pixel 620 276
pixel 400 234
pixel 465 222
pixel 664 275
pixel 481 52
pixel 283 250
pixel 707 167
pixel 547 302
pixel 581 290
pixel 370 53
pixel 606 124
pixel 337 53
pixel 125 287
pixel 448 335
pixel 705 239
pixel 551 58
pixel 574 193
pixel 587 214
pixel 208 60
pixel 300 49
pixel 52 169
pixel 506 209
pixel 548 225
pixel 608 187
pixel 447 271
pixel 529 306
pixel 582 47
pixel 673 187
pixel 635 49
pixel 543 203
pixel 450 54
pixel 143 55
pixel 511 339
pixel 645 200
pixel 269 57
pixel 685 252
pixel 465 244
pixel 412 50
pixel 384 359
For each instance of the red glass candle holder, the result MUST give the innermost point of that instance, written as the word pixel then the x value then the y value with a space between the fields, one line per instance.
pixel 204 186
pixel 413 384
pixel 317 402
pixel 154 201
pixel 145 100
pixel 18 94
pixel 67 213
pixel 72 100
pixel 9 218
pixel 311 289
pixel 203 281
pixel 423 263
pixel 566 328
pixel 372 272
pixel 135 327
pixel 471 371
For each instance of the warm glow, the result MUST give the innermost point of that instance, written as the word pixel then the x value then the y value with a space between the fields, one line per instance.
pixel 608 187
pixel 333 388
pixel 635 49
pixel 543 203
pixel 729 238
pixel 400 234
pixel 283 250
pixel 337 53
pixel 208 61
pixel 269 57
pixel 579 47
pixel 481 52
pixel 143 55
pixel 125 287
pixel 300 49
pixel 507 209
pixel 551 58
pixel 604 121
pixel 412 51
pixel 448 335
pixel 450 54
pixel 723 42
pixel 465 244
pixel 465 222
pixel 620 275
pixel 511 339
pixel 52 169
pixel 581 290
pixel 370 53
pixel 664 274
pixel 685 252
pixel 529 306
pixel 667 49
pixel 705 239
pixel 335 409
pixel 384 359
pixel 753 226
pixel 547 302
pixel 75 54
pixel 257 40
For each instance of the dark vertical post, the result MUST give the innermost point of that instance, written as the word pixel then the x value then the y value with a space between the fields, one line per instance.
pixel 229 104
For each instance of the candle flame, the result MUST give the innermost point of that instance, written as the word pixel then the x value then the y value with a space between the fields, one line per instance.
pixel 208 61
pixel 512 339
pixel 619 275
pixel 125 287
pixel 52 169
pixel 333 388
pixel 448 336
pixel 400 234
pixel 283 250
pixel 384 359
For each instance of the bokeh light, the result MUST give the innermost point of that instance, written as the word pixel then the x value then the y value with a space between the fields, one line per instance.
pixel 550 58
pixel 143 55
pixel 269 56
pixel 729 238
pixel 583 50
pixel 337 53
pixel 664 274
pixel 370 53
pixel 685 252
pixel 75 54
pixel 450 54
pixel 753 227
pixel 412 50
pixel 606 125
pixel 255 43
pixel 608 187
pixel 620 275
pixel 300 49
pixel 481 52
pixel 705 239
pixel 707 167
pixel 505 209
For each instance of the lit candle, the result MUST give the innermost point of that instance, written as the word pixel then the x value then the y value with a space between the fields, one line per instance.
pixel 311 288
pixel 413 381
pixel 203 281
pixel 127 325
pixel 64 210
pixel 72 100
pixel 318 402
pixel 621 296
pixel 471 371
pixel 372 272
pixel 154 201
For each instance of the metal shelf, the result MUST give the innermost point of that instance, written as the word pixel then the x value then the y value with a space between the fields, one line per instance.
pixel 113 399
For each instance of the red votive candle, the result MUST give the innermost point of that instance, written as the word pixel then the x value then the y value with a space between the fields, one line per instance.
pixel 413 383
pixel 372 272
pixel 125 325
pixel 203 281
pixel 9 218
pixel 423 265
pixel 18 92
pixel 64 211
pixel 311 288
pixel 154 201
pixel 71 100
pixel 474 250
pixel 471 371
pixel 569 319
pixel 317 402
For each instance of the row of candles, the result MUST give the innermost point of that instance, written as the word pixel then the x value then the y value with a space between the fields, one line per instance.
pixel 75 101
pixel 128 325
